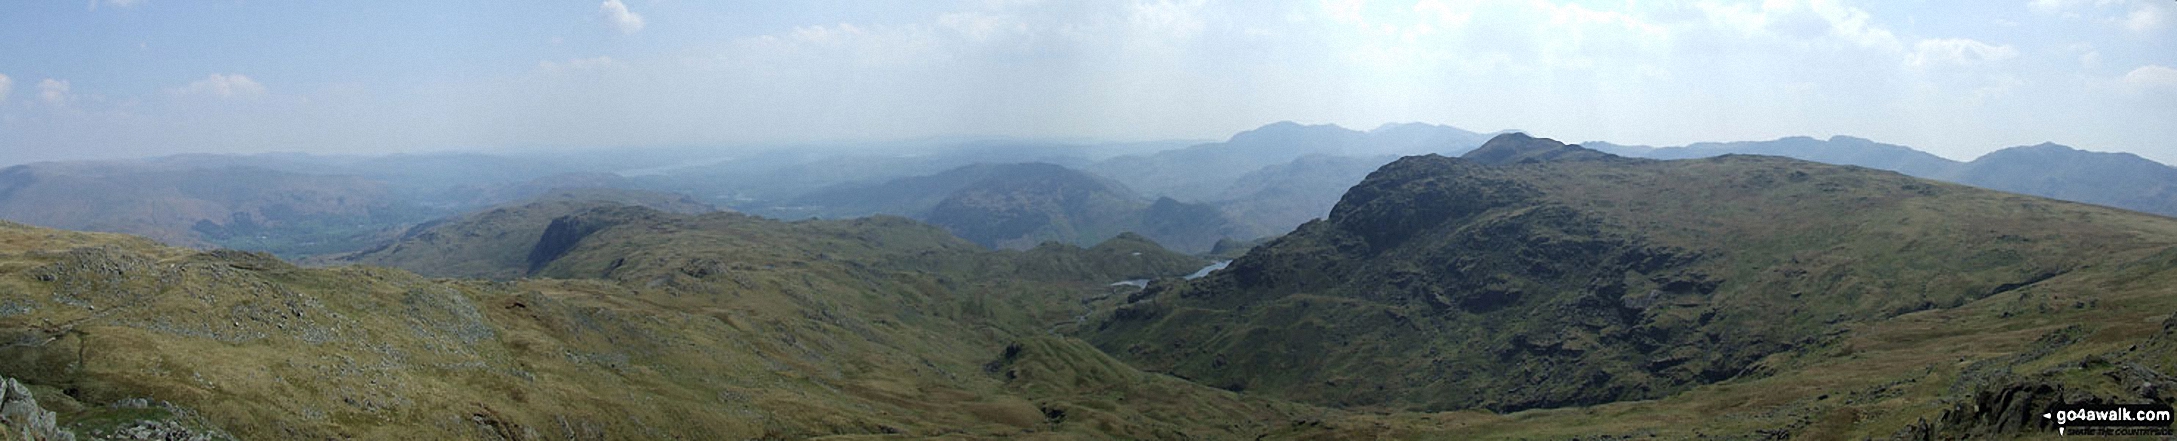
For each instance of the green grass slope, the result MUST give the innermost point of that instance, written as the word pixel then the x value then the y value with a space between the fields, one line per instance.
pixel 494 243
pixel 694 327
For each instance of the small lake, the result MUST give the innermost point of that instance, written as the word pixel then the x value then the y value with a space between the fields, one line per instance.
pixel 1221 264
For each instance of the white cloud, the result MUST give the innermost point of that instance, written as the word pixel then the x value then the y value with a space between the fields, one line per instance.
pixel 115 3
pixel 1958 51
pixel 223 86
pixel 2149 17
pixel 2152 77
pixel 2136 15
pixel 1169 18
pixel 621 19
pixel 2068 6
pixel 1998 87
pixel 979 27
pixel 578 64
pixel 6 85
pixel 1457 13
pixel 54 91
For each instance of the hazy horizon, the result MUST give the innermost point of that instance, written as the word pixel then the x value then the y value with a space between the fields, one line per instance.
pixel 143 78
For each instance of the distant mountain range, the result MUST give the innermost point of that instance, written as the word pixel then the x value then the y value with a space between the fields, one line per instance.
pixel 1187 195
pixel 1259 183
pixel 1202 172
pixel 1019 206
pixel 226 205
pixel 2121 180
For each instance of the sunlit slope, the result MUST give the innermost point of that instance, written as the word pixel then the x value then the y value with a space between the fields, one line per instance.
pixel 734 327
pixel 1552 276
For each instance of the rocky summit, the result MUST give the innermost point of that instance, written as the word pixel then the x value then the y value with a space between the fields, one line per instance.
pixel 1532 274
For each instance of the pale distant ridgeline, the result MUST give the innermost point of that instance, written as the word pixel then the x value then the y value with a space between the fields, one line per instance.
pixel 189 206
pixel 293 205
pixel 2120 180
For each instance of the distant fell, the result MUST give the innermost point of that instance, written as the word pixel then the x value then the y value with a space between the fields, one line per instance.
pixel 1197 173
pixel 231 206
pixel 496 243
pixel 1019 206
pixel 1514 148
pixel 1044 202
pixel 2121 180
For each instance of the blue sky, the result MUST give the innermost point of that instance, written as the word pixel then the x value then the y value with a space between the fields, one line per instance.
pixel 1959 78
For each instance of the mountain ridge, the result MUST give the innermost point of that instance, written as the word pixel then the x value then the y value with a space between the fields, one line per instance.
pixel 2121 180
pixel 1582 282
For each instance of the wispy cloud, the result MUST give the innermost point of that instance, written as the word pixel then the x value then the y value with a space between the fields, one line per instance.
pixel 223 86
pixel 578 64
pixel 619 18
pixel 1958 51
pixel 54 91
pixel 2150 17
pixel 116 3
pixel 2152 77
pixel 6 85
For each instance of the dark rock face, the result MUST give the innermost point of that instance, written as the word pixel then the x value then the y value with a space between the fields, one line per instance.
pixel 1498 298
pixel 1990 399
pixel 20 410
pixel 1417 192
pixel 568 231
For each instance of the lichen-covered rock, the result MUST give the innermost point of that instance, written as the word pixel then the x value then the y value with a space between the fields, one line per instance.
pixel 19 409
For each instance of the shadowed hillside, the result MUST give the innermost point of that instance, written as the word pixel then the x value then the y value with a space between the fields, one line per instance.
pixel 1567 277
pixel 494 243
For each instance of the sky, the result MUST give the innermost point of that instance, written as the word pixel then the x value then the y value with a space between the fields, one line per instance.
pixel 133 78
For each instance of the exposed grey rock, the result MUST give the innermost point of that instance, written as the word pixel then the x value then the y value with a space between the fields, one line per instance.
pixel 19 409
pixel 159 430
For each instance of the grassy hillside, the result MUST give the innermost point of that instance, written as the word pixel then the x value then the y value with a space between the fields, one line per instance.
pixel 700 327
pixel 1444 284
pixel 494 243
